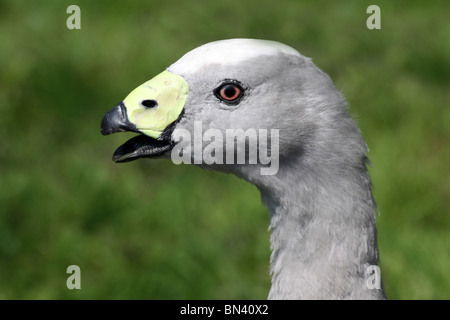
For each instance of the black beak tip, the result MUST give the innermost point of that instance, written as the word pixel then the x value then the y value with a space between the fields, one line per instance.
pixel 116 120
pixel 106 127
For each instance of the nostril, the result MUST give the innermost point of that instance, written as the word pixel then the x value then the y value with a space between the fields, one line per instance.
pixel 149 103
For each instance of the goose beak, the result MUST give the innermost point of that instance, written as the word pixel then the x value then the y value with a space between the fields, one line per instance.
pixel 152 110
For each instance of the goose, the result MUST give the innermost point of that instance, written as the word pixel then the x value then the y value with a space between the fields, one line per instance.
pixel 322 213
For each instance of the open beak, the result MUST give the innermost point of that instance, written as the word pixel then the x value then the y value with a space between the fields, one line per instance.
pixel 141 146
pixel 154 123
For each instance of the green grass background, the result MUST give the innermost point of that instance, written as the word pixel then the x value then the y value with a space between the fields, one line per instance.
pixel 153 230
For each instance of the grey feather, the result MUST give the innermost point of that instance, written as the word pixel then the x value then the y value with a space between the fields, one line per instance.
pixel 323 233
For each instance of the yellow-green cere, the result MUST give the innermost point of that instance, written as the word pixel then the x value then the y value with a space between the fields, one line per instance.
pixel 169 91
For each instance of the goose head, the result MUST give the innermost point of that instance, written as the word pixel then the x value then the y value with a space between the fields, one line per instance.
pixel 254 87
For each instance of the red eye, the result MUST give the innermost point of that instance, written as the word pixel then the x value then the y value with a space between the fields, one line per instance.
pixel 229 92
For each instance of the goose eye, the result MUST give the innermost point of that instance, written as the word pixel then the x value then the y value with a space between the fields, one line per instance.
pixel 229 92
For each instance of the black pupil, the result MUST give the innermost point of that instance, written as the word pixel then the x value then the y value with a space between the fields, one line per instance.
pixel 229 91
pixel 149 103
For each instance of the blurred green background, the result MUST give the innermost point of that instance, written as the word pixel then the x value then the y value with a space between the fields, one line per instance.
pixel 153 230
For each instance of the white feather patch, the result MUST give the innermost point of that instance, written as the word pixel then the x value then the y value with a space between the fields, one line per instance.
pixel 228 52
